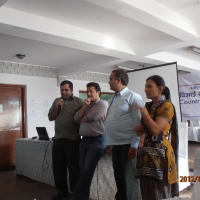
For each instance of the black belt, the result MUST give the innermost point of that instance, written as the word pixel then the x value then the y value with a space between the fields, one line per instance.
pixel 92 136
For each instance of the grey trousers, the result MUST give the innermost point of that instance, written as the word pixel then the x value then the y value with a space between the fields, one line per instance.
pixel 132 184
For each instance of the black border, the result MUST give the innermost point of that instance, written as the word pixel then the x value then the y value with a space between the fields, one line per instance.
pixel 154 67
pixel 173 63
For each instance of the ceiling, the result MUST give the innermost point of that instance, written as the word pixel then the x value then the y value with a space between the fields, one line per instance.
pixel 96 35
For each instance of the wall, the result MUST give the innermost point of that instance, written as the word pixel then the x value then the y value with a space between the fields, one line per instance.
pixel 81 85
pixel 38 88
pixel 42 88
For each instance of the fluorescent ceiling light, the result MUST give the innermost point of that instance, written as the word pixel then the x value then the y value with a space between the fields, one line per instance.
pixel 194 50
pixel 125 68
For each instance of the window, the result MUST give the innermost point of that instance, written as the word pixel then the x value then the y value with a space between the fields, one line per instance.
pixel 104 95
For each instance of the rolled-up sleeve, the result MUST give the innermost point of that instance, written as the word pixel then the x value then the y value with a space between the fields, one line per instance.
pixel 53 107
pixel 77 118
pixel 97 112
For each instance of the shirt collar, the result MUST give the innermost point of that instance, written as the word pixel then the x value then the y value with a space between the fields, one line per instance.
pixel 121 93
pixel 95 102
pixel 72 96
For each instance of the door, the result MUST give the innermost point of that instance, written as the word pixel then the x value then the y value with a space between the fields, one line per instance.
pixel 12 121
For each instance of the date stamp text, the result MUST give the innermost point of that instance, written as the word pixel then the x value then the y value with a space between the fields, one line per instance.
pixel 189 179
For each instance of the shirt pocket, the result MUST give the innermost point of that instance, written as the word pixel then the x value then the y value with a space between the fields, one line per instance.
pixel 122 109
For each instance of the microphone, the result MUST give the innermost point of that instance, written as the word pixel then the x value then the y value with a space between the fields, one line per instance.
pixel 59 106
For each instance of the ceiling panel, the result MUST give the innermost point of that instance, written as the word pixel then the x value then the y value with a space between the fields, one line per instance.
pixel 88 16
pixel 187 8
pixel 39 53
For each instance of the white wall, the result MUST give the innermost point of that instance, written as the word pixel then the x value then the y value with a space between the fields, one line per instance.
pixel 41 88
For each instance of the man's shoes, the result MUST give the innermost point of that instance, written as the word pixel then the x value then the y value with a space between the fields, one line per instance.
pixel 60 196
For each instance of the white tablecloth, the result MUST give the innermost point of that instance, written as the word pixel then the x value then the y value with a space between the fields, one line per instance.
pixel 30 162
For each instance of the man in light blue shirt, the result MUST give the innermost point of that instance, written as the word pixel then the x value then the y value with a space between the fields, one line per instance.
pixel 121 141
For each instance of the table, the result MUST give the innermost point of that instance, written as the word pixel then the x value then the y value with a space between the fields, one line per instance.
pixel 30 162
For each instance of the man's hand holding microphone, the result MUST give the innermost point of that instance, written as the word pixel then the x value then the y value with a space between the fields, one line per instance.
pixel 59 104
pixel 53 115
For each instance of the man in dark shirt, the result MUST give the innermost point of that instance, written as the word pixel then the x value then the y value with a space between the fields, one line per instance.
pixel 65 150
pixel 91 117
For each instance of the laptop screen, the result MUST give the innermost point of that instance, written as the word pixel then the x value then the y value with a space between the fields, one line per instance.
pixel 42 133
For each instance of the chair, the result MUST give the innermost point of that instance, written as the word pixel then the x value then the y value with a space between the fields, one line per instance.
pixel 194 131
pixel 183 153
pixel 196 191
pixel 196 188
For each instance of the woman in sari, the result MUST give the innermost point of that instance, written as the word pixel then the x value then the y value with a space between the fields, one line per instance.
pixel 157 157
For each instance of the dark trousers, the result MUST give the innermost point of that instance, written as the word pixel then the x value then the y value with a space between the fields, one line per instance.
pixel 91 150
pixel 119 159
pixel 65 154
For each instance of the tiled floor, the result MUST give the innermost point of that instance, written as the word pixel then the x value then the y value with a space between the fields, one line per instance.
pixel 187 192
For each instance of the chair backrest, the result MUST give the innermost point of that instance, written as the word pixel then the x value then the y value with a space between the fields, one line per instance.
pixel 183 139
pixel 196 191
pixel 194 123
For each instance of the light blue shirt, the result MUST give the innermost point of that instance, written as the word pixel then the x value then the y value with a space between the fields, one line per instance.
pixel 123 115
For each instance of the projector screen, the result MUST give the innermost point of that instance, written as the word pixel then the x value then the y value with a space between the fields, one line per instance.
pixel 137 80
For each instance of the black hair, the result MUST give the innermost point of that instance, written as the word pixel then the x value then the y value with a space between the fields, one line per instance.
pixel 159 81
pixel 120 73
pixel 95 85
pixel 67 82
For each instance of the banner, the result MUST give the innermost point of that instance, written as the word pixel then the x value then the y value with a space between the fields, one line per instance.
pixel 189 92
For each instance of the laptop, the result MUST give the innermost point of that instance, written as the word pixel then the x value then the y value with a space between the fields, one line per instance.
pixel 42 133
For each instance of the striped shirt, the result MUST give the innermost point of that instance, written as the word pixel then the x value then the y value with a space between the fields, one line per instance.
pixel 95 119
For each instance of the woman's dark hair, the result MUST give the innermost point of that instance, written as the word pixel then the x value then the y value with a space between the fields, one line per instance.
pixel 95 85
pixel 121 74
pixel 67 82
pixel 159 81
